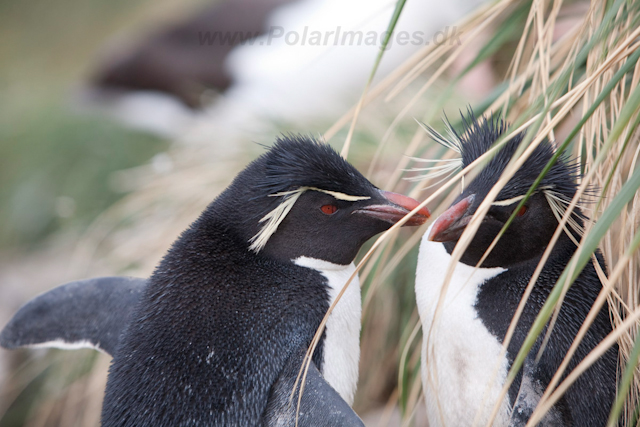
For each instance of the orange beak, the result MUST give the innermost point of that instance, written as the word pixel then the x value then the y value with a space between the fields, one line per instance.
pixel 450 225
pixel 399 206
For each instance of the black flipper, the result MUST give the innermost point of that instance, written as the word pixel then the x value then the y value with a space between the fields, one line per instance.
pixel 321 405
pixel 86 313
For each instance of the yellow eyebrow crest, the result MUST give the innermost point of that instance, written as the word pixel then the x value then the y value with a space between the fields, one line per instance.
pixel 341 196
pixel 507 202
pixel 273 219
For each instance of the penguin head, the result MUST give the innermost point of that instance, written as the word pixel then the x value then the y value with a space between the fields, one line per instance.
pixel 301 198
pixel 534 223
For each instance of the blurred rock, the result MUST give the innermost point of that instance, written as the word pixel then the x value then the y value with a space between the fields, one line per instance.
pixel 309 65
pixel 188 58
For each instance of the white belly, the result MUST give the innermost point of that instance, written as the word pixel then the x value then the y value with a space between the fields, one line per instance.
pixel 462 371
pixel 342 333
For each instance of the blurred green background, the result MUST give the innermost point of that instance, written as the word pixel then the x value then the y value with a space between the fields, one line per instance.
pixel 55 161
pixel 56 158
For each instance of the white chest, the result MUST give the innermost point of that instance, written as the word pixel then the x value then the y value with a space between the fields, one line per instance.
pixel 342 333
pixel 462 371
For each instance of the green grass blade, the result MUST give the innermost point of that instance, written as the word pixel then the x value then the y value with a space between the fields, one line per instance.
pixel 606 91
pixel 632 363
pixel 511 29
pixel 387 37
pixel 383 48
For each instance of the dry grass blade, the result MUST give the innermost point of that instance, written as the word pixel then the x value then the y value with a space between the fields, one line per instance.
pixel 591 358
pixel 541 61
pixel 555 81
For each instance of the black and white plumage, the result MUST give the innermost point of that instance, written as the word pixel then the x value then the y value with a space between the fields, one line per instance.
pixel 462 345
pixel 219 331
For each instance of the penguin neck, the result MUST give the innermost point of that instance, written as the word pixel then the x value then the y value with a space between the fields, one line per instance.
pixel 342 333
pixel 322 265
pixel 225 215
pixel 462 288
pixel 501 257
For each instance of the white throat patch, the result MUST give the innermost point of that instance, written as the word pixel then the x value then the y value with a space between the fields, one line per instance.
pixel 342 333
pixel 459 354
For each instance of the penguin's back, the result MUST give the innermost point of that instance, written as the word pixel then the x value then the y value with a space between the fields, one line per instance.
pixel 209 338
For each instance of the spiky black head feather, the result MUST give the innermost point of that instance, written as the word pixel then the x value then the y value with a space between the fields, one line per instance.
pixel 481 135
pixel 302 161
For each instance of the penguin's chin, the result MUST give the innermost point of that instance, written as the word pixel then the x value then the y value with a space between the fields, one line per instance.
pixel 452 233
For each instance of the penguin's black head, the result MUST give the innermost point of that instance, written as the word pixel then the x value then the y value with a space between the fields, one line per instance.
pixel 534 223
pixel 301 198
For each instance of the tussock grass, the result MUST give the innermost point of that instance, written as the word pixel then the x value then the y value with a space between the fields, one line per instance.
pixel 572 77
pixel 578 88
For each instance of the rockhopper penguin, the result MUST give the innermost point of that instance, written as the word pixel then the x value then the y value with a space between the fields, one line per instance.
pixel 462 345
pixel 216 336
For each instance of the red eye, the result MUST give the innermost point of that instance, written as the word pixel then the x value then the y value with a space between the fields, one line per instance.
pixel 522 210
pixel 329 209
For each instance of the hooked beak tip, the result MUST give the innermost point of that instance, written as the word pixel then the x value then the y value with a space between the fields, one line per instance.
pixel 408 204
pixel 396 208
pixel 452 222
